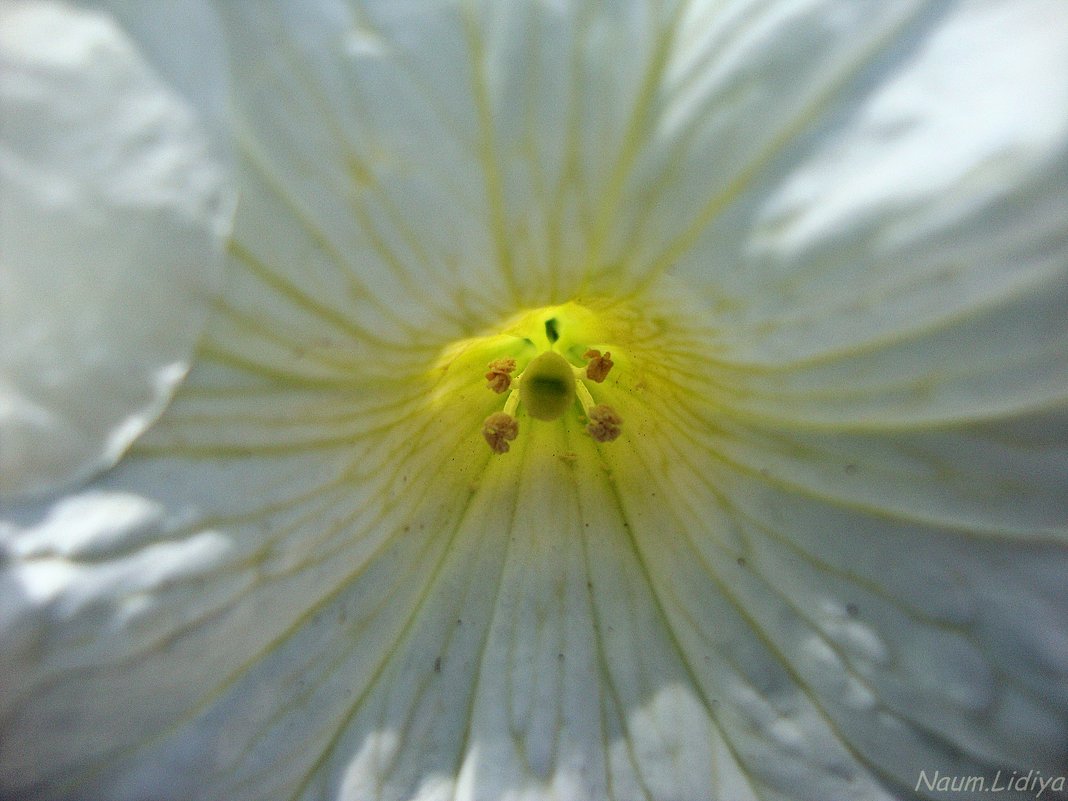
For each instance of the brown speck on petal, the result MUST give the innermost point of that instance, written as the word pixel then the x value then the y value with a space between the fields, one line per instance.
pixel 499 429
pixel 604 423
pixel 598 367
pixel 499 376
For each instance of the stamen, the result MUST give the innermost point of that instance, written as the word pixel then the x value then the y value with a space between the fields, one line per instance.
pixel 604 423
pixel 499 429
pixel 499 377
pixel 512 403
pixel 598 367
pixel 584 396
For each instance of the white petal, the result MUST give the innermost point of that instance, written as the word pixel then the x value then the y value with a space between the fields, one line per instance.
pixel 113 213
pixel 882 646
pixel 167 35
pixel 530 150
pixel 1004 478
pixel 332 624
pixel 902 257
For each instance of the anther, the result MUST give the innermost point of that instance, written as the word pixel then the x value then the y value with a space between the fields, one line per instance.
pixel 598 366
pixel 499 377
pixel 499 429
pixel 604 423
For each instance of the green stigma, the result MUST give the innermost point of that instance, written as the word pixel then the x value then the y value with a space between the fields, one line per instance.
pixel 548 387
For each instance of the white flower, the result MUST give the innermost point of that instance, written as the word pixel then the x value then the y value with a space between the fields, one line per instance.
pixel 825 243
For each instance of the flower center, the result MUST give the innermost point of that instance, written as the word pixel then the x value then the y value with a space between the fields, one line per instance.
pixel 545 362
pixel 547 389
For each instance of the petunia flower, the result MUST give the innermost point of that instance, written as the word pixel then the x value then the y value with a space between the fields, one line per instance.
pixel 815 548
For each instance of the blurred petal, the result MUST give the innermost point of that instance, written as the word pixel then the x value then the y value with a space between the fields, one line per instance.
pixel 113 213
pixel 167 34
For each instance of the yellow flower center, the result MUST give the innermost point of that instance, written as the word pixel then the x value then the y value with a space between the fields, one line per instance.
pixel 545 359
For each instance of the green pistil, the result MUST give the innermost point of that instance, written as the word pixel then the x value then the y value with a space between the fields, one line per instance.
pixel 547 387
